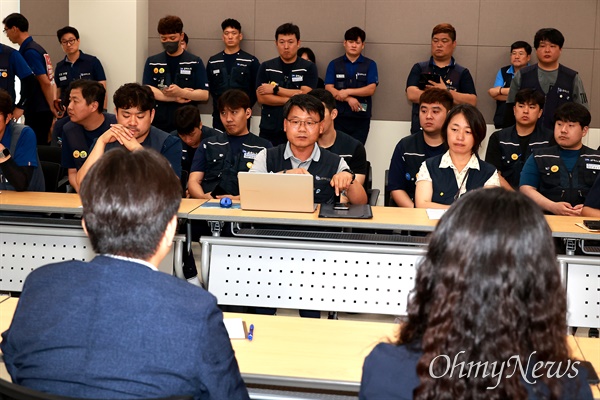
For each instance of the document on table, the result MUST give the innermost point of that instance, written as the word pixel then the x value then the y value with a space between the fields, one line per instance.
pixel 435 213
pixel 236 328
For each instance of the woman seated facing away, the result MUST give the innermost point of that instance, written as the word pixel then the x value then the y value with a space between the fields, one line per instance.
pixel 487 306
pixel 443 179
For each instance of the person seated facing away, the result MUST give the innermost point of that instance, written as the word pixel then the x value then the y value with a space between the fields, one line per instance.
pixel 520 54
pixel 191 131
pixel 338 142
pixel 219 159
pixel 303 124
pixel 121 338
pixel 20 167
pixel 134 105
pixel 490 282
pixel 558 178
pixel 87 123
pixel 509 148
pixel 412 150
pixel 444 178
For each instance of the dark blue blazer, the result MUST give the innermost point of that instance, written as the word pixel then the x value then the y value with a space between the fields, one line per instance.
pixel 111 329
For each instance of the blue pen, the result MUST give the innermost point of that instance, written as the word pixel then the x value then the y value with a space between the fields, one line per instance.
pixel 251 332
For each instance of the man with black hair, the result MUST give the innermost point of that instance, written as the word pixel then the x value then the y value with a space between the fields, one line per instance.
pixel 558 178
pixel 134 108
pixel 20 167
pixel 219 159
pixel 175 76
pixel 87 123
pixel 339 142
pixel 39 108
pixel 444 71
pixel 520 54
pixel 303 123
pixel 121 338
pixel 509 148
pixel 558 83
pixel 75 65
pixel 191 131
pixel 280 79
pixel 353 79
pixel 231 68
pixel 412 150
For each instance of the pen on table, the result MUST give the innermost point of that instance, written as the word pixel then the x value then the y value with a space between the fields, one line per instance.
pixel 251 332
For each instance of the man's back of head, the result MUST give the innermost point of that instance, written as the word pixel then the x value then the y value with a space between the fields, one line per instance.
pixel 124 211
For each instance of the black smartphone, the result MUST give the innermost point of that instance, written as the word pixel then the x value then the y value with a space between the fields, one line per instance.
pixel 592 224
pixel 426 77
pixel 341 206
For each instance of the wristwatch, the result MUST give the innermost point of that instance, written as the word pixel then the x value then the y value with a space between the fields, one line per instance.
pixel 4 153
pixel 275 89
pixel 352 173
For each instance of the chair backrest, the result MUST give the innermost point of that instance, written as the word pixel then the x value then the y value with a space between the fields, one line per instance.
pixel 50 153
pixel 12 391
pixel 369 178
pixel 52 172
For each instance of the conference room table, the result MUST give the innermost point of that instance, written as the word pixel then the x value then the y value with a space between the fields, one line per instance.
pixel 315 355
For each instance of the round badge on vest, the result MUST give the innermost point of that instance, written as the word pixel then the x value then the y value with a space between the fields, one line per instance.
pixel 554 168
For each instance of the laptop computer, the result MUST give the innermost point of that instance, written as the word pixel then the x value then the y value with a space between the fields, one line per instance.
pixel 276 192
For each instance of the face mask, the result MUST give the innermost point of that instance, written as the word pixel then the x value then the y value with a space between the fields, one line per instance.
pixel 170 47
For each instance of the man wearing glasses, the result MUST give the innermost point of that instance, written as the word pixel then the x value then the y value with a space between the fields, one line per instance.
pixel 303 115
pixel 39 108
pixel 75 65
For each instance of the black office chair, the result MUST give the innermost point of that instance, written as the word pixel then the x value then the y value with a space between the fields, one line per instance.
pixel 12 391
pixel 51 175
pixel 184 180
pixel 53 154
pixel 387 200
pixel 372 194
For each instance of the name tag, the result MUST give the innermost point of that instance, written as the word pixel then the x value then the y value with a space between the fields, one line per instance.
pixel 297 78
pixel 62 78
pixel 340 76
pixel 216 71
pixel 593 166
pixel 184 71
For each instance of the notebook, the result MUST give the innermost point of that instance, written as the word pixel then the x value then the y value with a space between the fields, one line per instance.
pixel 276 192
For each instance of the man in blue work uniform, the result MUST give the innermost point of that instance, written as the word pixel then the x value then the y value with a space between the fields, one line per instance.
pixel 558 83
pixel 231 68
pixel 20 167
pixel 281 78
pixel 175 76
pixel 39 107
pixel 509 148
pixel 87 123
pixel 558 178
pixel 440 71
pixel 134 106
pixel 520 54
pixel 412 150
pixel 353 79
pixel 75 65
pixel 12 64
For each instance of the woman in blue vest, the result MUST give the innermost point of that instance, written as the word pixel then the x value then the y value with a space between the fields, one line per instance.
pixel 444 178
pixel 488 305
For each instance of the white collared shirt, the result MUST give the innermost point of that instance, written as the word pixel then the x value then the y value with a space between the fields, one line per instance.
pixel 135 260
pixel 446 162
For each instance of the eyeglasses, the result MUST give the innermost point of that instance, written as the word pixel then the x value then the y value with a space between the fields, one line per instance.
pixel 297 123
pixel 69 42
pixel 6 29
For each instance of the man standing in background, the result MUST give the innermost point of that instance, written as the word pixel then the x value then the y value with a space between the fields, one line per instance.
pixel 232 68
pixel 175 76
pixel 39 108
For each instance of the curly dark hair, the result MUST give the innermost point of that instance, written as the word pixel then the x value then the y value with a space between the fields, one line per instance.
pixel 490 286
